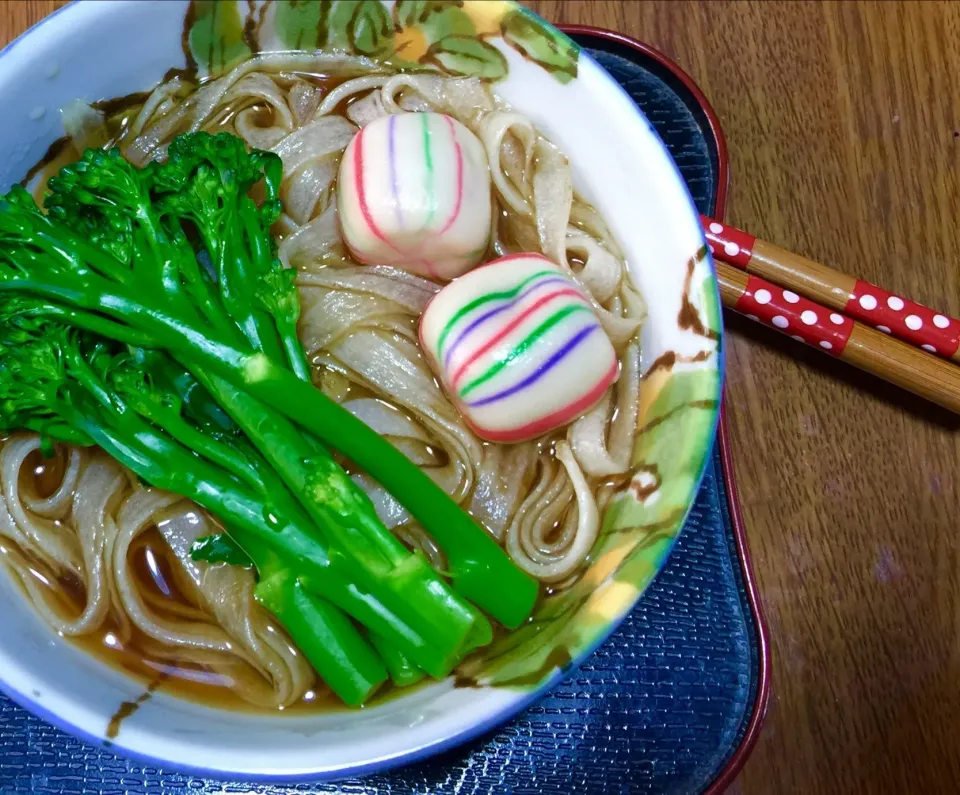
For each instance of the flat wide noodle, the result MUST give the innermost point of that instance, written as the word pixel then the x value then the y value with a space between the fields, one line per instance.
pixel 41 535
pixel 602 439
pixel 549 537
pixel 85 531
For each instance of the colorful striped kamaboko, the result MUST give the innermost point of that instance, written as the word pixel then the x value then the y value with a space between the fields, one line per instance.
pixel 518 347
pixel 414 192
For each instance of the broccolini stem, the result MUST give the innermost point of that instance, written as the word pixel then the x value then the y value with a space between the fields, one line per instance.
pixel 75 252
pixel 406 602
pixel 345 660
pixel 162 324
pixel 204 444
pixel 283 502
pixel 403 672
pixel 335 648
pixel 295 355
pixel 284 323
pixel 236 283
pixel 199 287
pixel 89 321
pixel 348 519
pixel 480 569
pixel 58 432
pixel 437 641
pixel 286 449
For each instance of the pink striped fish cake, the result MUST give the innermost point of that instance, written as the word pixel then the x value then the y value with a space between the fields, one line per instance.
pixel 518 347
pixel 414 192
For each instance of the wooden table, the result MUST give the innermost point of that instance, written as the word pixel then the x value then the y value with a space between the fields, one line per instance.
pixel 843 122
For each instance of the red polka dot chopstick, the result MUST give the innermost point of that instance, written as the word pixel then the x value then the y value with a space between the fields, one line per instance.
pixel 839 335
pixel 891 314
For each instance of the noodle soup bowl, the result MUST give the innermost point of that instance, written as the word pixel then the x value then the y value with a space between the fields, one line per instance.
pixel 97 50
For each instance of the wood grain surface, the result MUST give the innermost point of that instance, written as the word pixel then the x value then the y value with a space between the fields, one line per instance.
pixel 843 122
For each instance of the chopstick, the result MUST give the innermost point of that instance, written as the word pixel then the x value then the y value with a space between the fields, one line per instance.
pixel 840 336
pixel 891 314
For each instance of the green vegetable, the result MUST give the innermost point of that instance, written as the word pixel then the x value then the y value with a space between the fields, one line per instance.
pixel 345 660
pixel 147 313
pixel 479 568
pixel 322 632
pixel 407 597
pixel 220 548
pixel 403 672
pixel 354 672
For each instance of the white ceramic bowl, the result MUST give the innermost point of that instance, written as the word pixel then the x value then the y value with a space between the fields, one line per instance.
pixel 96 50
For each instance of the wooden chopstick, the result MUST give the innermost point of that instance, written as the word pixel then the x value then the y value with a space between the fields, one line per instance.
pixel 840 336
pixel 891 314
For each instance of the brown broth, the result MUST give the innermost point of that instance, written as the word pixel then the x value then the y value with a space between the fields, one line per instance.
pixel 185 679
pixel 127 649
pixel 46 473
pixel 154 570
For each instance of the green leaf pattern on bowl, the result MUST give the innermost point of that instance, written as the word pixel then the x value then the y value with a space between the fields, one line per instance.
pixel 215 35
pixel 524 31
pixel 302 26
pixel 452 37
pixel 467 55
